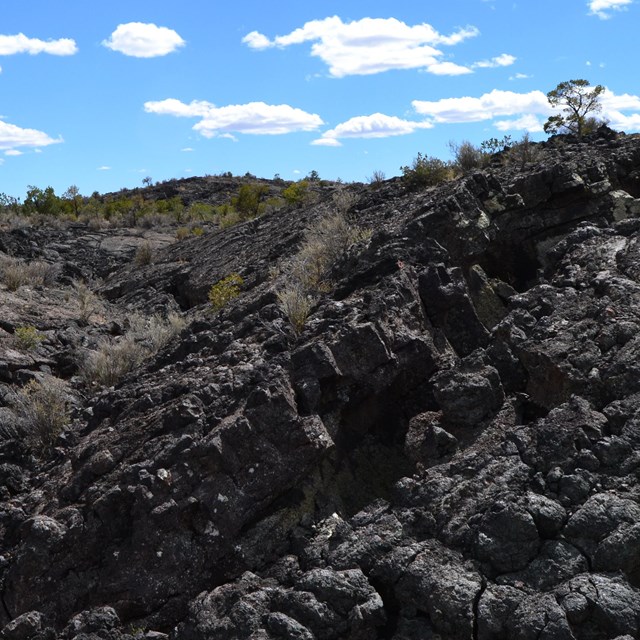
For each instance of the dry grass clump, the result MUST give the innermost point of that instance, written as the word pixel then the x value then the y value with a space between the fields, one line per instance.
pixel 43 407
pixel 114 358
pixel 15 273
pixel 88 302
pixel 308 273
pixel 144 255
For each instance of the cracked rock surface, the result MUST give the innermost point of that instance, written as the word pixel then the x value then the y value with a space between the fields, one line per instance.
pixel 450 448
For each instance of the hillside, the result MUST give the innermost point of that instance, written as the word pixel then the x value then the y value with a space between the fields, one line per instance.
pixel 446 447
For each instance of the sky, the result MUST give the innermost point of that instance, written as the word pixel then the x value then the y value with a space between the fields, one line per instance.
pixel 104 94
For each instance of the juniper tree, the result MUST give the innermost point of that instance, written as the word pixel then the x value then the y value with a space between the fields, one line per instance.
pixel 579 101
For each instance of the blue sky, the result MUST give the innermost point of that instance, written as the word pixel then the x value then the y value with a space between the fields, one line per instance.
pixel 101 95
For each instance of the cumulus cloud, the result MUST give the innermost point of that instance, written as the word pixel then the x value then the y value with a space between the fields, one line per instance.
pixel 377 125
pixel 143 40
pixel 511 111
pixel 371 45
pixel 104 167
pixel 488 106
pixel 13 152
pixel 10 45
pixel 12 137
pixel 503 60
pixel 257 118
pixel 602 8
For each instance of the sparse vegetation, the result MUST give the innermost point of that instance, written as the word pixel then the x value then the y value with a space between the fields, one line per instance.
pixel 297 193
pixel 376 178
pixel 426 171
pixel 144 253
pixel 308 273
pixel 114 358
pixel 467 156
pixel 225 290
pixel 16 273
pixel 43 407
pixel 88 302
pixel 28 337
pixel 523 152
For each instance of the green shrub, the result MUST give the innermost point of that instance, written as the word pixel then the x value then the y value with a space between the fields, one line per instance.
pixel 182 233
pixel 426 172
pixel 296 193
pixel 248 201
pixel 225 290
pixel 28 337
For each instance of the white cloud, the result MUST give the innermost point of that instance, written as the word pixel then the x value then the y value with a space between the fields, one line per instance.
pixel 488 106
pixel 187 149
pixel 528 111
pixel 613 106
pixel 142 40
pixel 13 152
pixel 377 125
pixel 371 45
pixel 104 168
pixel 519 76
pixel 10 45
pixel 12 136
pixel 503 60
pixel 447 69
pixel 528 122
pixel 1 161
pixel 173 107
pixel 255 118
pixel 601 8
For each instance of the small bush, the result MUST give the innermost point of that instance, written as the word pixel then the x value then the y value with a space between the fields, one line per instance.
pixel 376 178
pixel 522 152
pixel 44 408
pixel 182 233
pixel 197 231
pixel 88 302
pixel 144 254
pixel 467 156
pixel 296 305
pixel 248 201
pixel 112 361
pixel 225 290
pixel 28 337
pixel 308 273
pixel 344 200
pixel 16 273
pixel 426 172
pixel 297 193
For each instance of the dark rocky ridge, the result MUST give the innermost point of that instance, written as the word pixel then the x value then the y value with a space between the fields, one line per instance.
pixel 448 450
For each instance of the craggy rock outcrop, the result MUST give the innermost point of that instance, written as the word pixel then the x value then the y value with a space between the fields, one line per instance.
pixel 449 449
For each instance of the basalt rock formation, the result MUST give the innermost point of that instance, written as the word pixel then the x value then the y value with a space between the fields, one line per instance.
pixel 450 448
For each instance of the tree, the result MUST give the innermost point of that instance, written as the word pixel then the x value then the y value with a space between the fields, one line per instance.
pixel 579 100
pixel 147 181
pixel 73 197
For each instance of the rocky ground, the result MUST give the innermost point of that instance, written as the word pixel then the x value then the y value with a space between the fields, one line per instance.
pixel 448 449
